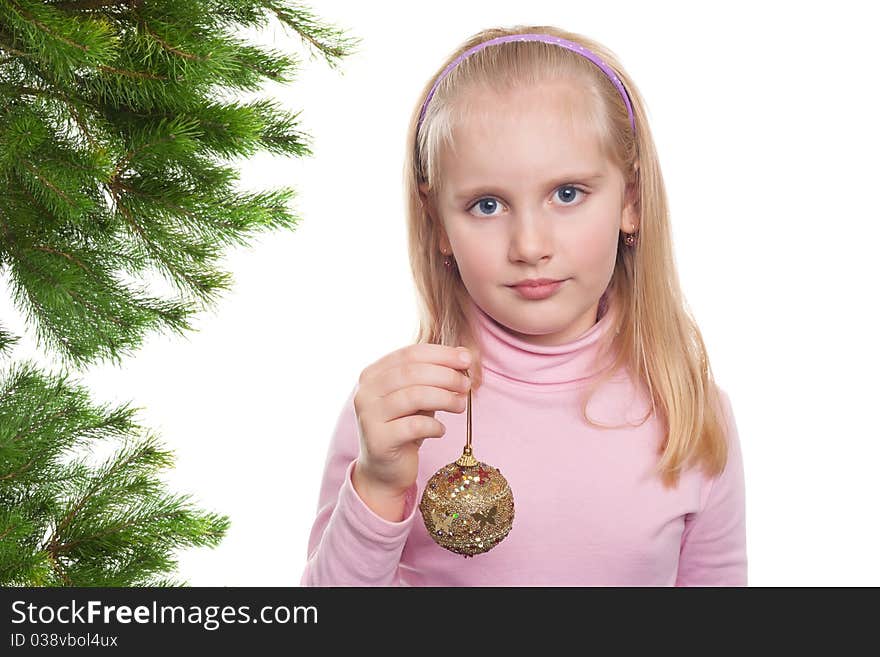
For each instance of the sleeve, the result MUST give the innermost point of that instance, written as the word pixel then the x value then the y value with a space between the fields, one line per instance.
pixel 349 544
pixel 713 544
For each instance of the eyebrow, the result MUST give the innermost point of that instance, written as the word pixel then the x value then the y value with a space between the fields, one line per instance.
pixel 489 189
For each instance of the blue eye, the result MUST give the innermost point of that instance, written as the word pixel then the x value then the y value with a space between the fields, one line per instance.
pixel 490 203
pixel 569 187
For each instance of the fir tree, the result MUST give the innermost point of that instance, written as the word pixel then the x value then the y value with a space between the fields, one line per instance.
pixel 115 117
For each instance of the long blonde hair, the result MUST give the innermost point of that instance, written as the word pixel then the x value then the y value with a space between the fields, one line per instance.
pixel 652 333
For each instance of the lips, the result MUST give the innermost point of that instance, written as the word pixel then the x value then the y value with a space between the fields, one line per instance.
pixel 535 282
pixel 538 291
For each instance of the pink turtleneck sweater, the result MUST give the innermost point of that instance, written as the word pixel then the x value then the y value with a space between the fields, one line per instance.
pixel 588 511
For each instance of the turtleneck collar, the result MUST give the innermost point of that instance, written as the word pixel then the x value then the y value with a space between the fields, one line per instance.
pixel 561 366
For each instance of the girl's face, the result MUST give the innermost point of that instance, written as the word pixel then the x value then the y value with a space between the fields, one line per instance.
pixel 526 194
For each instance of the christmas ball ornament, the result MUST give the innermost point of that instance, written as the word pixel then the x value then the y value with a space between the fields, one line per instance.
pixel 467 505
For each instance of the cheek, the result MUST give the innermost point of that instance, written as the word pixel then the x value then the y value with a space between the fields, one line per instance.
pixel 592 252
pixel 475 260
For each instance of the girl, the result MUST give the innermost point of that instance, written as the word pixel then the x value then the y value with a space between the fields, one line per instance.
pixel 530 159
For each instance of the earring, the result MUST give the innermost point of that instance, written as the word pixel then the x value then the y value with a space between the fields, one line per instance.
pixel 630 239
pixel 446 260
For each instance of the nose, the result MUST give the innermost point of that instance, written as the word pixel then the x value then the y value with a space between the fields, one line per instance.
pixel 531 236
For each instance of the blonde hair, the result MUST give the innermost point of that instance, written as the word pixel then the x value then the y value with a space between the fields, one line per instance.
pixel 651 332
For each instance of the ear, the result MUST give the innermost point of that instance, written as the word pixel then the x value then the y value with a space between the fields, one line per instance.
pixel 428 205
pixel 631 215
pixel 426 200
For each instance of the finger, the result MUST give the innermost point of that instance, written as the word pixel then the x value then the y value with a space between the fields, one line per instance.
pixel 420 374
pixel 420 352
pixel 414 428
pixel 413 400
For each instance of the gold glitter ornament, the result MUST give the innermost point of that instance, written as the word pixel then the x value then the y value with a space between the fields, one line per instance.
pixel 467 505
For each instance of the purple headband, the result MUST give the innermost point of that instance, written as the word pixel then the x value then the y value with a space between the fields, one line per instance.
pixel 565 43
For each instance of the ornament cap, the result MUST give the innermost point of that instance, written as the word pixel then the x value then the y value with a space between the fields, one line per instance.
pixel 467 458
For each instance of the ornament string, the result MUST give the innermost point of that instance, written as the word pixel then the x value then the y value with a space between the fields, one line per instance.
pixel 467 456
pixel 463 518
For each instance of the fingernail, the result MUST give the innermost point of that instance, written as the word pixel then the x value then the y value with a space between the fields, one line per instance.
pixel 464 356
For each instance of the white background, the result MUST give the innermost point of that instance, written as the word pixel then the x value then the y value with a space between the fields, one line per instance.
pixel 764 119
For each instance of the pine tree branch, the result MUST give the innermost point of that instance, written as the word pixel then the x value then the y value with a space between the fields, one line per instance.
pixel 31 91
pixel 8 531
pixel 65 547
pixel 31 427
pixel 79 46
pixel 48 249
pixel 76 295
pixel 310 30
pixel 82 197
pixel 172 206
pixel 132 74
pixel 58 569
pixel 85 302
pixel 68 96
pixel 79 122
pixel 96 4
pixel 13 475
pixel 6 45
pixel 96 486
pixel 143 23
pixel 46 182
pixel 151 245
pixel 15 51
pixel 33 21
pixel 128 156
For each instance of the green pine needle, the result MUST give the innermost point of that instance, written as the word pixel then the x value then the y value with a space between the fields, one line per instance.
pixel 118 120
pixel 68 521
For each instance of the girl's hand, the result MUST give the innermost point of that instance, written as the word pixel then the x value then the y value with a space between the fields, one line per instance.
pixel 395 404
